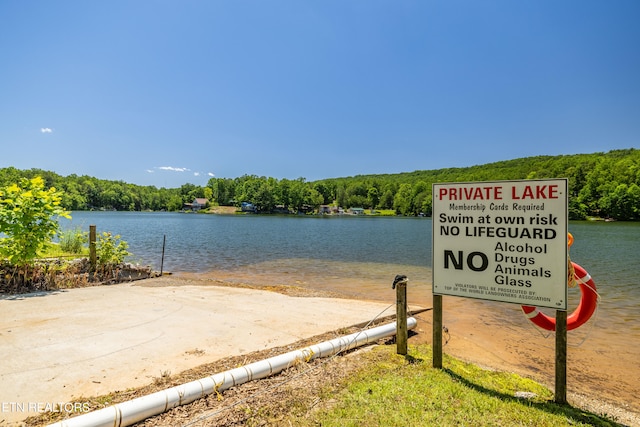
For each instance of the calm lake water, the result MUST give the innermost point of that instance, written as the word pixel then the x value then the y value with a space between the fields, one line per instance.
pixel 356 255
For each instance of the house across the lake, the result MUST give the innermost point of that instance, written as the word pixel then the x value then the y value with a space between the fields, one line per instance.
pixel 330 210
pixel 197 204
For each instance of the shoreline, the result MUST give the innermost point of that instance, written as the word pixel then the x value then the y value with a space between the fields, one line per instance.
pixel 494 336
pixel 471 337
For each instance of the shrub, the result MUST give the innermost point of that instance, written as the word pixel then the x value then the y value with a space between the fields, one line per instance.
pixel 72 241
pixel 110 249
pixel 28 218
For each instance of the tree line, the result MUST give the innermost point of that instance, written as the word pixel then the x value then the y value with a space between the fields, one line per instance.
pixel 605 185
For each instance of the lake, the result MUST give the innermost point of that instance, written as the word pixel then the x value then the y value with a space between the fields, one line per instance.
pixel 359 256
pixel 197 242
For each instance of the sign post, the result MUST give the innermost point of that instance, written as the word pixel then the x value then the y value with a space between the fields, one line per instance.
pixel 560 395
pixel 437 332
pixel 501 241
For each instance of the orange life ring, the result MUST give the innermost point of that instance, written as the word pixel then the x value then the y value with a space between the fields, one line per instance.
pixel 584 311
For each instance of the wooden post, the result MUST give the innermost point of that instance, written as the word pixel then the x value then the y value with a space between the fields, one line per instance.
pixel 561 357
pixel 92 246
pixel 164 240
pixel 437 331
pixel 402 333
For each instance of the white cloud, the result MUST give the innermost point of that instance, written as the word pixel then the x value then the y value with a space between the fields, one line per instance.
pixel 210 174
pixel 46 130
pixel 173 169
pixel 150 171
pixel 196 174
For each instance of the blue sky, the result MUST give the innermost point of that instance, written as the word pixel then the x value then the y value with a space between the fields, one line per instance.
pixel 171 92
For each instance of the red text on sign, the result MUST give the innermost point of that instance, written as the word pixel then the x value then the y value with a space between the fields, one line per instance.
pixel 535 192
pixel 470 193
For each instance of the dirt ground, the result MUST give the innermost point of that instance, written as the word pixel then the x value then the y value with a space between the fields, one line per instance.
pixel 600 359
pixel 615 388
pixel 238 405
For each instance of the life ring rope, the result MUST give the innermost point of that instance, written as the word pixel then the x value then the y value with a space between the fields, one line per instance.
pixel 547 333
pixel 586 281
pixel 585 310
pixel 571 273
pixel 532 314
pixel 576 275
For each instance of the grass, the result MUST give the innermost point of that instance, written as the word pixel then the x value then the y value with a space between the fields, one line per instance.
pixel 392 390
pixel 369 388
pixel 53 250
pixel 71 244
pixel 380 212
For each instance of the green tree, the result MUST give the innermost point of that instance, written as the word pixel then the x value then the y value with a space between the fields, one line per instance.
pixel 386 201
pixel 420 198
pixel 175 203
pixel 594 181
pixel 247 188
pixel 263 198
pixel 283 193
pixel 357 193
pixel 28 217
pixel 208 193
pixel 427 205
pixel 325 190
pixel 190 192
pixel 314 198
pixel 402 200
pixel 341 194
pixel 577 210
pixel 374 197
pixel 297 194
pixel 73 198
pixel 622 203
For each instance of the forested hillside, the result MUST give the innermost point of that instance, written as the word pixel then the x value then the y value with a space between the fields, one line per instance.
pixel 605 185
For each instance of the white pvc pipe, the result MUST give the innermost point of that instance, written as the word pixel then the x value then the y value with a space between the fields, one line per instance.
pixel 136 410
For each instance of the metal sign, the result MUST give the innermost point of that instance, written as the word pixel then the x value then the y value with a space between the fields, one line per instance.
pixel 502 241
